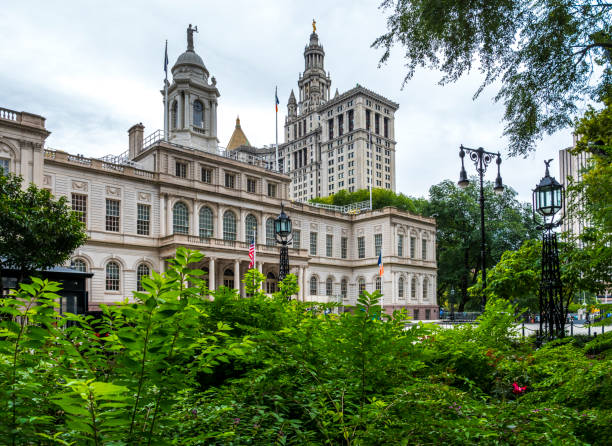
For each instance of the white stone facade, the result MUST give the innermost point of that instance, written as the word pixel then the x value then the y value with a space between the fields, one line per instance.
pixel 186 192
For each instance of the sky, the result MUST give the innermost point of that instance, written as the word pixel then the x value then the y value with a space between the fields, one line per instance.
pixel 95 68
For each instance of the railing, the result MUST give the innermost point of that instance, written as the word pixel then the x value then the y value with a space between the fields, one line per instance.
pixel 79 159
pixel 217 242
pixel 120 160
pixel 50 153
pixel 10 115
pixel 353 208
pixel 253 160
pixel 157 135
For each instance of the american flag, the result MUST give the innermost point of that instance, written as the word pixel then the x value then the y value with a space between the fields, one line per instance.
pixel 252 252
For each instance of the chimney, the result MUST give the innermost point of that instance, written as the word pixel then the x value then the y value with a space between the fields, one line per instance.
pixel 135 135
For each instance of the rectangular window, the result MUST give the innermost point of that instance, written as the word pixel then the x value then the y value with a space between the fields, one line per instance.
pixel 351 120
pixel 412 247
pixel 271 190
pixel 251 185
pixel 340 125
pixel 79 204
pixel 143 219
pixel 367 119
pixel 206 175
pixel 400 245
pixel 344 247
pixel 377 124
pixel 424 249
pixel 329 245
pixel 313 243
pixel 230 180
pixel 361 247
pixel 112 215
pixel 181 169
pixel 296 239
pixel 386 127
pixel 377 244
pixel 330 123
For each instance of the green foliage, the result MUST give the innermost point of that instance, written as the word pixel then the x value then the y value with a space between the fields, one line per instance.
pixel 508 224
pixel 547 55
pixel 380 199
pixel 179 368
pixel 36 231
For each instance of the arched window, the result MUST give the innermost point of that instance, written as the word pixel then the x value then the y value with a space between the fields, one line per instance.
pixel 180 219
pixel 413 286
pixel 112 276
pixel 329 286
pixel 175 115
pixel 361 285
pixel 379 284
pixel 343 288
pixel 400 287
pixel 314 285
pixel 229 226
pixel 270 283
pixel 270 240
pixel 198 114
pixel 206 222
pixel 425 288
pixel 250 228
pixel 142 271
pixel 79 265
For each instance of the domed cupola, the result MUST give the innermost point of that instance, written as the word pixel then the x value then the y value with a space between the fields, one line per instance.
pixel 190 63
pixel 192 101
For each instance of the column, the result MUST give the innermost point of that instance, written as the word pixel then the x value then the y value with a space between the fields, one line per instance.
pixel 162 215
pixel 299 281
pixel 213 118
pixel 237 276
pixel 219 223
pixel 194 219
pixel 211 273
pixel 260 267
pixel 186 112
pixel 169 228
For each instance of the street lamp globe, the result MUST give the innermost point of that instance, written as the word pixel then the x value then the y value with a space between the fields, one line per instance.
pixel 463 179
pixel 282 225
pixel 499 186
pixel 548 195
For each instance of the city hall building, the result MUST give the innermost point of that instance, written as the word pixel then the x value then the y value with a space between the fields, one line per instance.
pixel 182 189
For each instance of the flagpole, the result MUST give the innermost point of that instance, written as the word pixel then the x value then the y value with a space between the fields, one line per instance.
pixel 166 123
pixel 276 108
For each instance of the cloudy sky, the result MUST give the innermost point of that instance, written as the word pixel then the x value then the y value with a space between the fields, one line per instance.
pixel 95 68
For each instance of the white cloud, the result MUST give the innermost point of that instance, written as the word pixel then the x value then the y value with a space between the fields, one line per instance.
pixel 93 69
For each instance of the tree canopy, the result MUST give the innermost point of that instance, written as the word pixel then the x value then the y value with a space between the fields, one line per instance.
pixel 508 224
pixel 36 231
pixel 380 199
pixel 547 55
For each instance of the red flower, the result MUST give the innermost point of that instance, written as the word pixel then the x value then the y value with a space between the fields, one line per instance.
pixel 518 390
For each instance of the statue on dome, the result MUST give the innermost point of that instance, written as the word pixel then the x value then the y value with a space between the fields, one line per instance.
pixel 314 26
pixel 190 32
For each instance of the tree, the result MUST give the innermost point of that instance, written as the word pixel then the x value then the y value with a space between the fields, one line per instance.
pixel 508 224
pixel 36 231
pixel 548 55
pixel 380 199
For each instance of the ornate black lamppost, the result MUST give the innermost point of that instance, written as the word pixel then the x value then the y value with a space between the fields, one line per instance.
pixel 282 232
pixel 481 159
pixel 548 198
